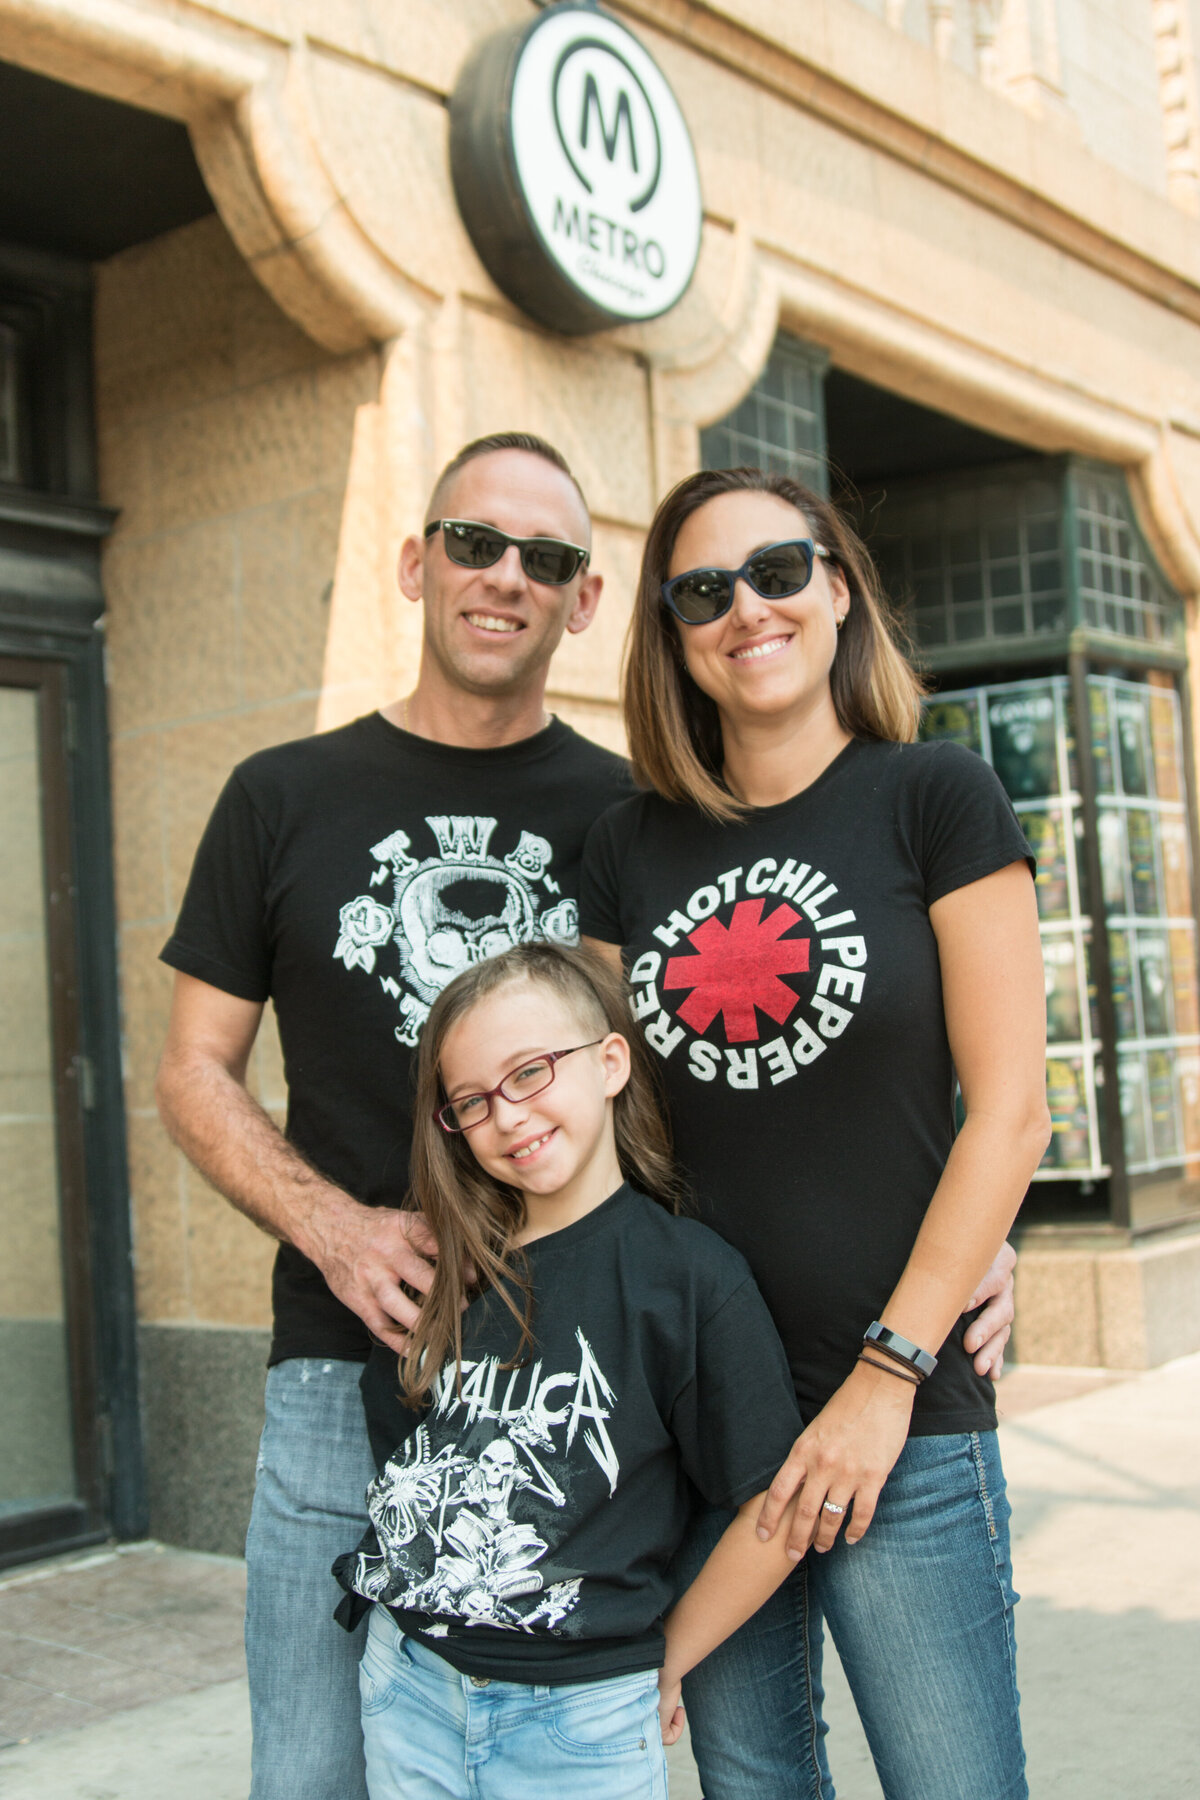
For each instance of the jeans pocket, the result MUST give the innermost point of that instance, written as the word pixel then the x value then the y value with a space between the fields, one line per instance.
pixel 609 1718
pixel 380 1673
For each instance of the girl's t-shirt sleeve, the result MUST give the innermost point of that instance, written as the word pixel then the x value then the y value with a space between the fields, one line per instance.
pixel 736 1419
pixel 599 883
pixel 967 827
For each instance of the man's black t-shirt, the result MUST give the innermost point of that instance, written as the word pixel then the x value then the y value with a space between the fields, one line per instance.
pixel 786 973
pixel 347 877
pixel 524 1527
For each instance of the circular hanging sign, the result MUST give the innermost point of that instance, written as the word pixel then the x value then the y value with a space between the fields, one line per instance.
pixel 574 171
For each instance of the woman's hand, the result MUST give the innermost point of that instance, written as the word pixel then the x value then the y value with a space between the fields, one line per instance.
pixel 670 1711
pixel 844 1456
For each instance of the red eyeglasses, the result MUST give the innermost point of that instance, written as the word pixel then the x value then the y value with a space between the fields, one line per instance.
pixel 533 1077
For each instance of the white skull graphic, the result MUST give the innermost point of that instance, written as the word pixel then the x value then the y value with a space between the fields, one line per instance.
pixel 489 911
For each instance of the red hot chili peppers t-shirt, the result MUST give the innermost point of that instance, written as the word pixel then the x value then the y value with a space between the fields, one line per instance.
pixel 785 972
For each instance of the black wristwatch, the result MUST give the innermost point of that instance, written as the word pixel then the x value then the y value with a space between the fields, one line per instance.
pixel 892 1344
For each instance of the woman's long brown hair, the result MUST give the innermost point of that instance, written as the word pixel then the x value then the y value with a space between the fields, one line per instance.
pixel 474 1217
pixel 674 729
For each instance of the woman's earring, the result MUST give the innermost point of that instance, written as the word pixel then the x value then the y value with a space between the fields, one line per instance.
pixel 841 620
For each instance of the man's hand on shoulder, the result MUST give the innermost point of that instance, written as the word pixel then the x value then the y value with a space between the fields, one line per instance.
pixel 365 1253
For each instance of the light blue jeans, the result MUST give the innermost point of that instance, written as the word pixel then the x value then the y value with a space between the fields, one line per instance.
pixel 314 1464
pixel 433 1734
pixel 921 1612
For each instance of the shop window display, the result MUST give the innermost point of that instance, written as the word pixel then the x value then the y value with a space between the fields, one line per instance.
pixel 1026 731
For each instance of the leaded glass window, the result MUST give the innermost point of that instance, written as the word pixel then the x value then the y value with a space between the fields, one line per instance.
pixel 1021 558
pixel 1119 589
pixel 780 425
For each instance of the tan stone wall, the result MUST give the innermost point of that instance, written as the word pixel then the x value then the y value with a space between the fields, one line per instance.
pixel 224 437
pixel 1006 263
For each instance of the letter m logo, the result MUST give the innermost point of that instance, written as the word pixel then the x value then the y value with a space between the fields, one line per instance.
pixel 623 116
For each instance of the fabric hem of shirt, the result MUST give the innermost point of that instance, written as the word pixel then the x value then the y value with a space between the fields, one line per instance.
pixel 286 1352
pixel 562 1671
pixel 216 974
pixel 746 1490
pixel 976 871
pixel 949 1424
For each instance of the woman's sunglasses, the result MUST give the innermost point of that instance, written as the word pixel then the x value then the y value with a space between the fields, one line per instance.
pixel 472 546
pixel 701 595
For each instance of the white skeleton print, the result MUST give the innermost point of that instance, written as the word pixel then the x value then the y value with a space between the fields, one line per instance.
pixel 449 1543
pixel 451 910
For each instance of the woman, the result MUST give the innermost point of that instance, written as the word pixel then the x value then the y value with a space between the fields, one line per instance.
pixel 823 923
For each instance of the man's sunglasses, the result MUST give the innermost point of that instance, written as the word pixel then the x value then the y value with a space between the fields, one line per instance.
pixel 701 595
pixel 473 546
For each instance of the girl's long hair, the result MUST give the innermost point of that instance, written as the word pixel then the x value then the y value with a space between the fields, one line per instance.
pixel 474 1217
pixel 674 728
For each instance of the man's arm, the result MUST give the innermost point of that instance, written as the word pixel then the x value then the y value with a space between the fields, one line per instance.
pixel 364 1252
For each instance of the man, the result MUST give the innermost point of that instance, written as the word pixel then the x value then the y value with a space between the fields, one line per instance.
pixel 348 877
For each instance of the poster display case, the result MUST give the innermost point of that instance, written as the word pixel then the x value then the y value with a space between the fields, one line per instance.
pixel 1026 730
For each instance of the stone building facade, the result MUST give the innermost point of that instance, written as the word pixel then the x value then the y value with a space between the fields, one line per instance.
pixel 973 226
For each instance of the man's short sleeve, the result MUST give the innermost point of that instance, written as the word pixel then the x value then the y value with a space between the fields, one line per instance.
pixel 599 885
pixel 221 934
pixel 968 826
pixel 737 1419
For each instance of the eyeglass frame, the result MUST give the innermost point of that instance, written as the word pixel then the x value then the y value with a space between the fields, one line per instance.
pixel 815 552
pixel 547 1056
pixel 522 544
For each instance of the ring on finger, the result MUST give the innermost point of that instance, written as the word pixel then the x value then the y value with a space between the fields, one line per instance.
pixel 831 1506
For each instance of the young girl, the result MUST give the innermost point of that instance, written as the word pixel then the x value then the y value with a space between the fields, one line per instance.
pixel 584 1359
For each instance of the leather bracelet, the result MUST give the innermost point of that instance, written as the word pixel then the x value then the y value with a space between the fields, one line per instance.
pixel 889 1368
pixel 881 1337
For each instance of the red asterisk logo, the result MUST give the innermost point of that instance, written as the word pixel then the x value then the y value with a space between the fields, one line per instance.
pixel 738 969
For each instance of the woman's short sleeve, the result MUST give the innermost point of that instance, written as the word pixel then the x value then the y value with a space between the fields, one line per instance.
pixel 967 825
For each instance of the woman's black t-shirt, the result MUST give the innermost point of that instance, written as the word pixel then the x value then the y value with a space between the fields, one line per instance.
pixel 785 971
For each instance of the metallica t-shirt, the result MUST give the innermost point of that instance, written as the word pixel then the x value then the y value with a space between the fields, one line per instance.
pixel 785 972
pixel 347 877
pixel 524 1527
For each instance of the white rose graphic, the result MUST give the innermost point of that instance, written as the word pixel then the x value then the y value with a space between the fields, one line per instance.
pixel 364 927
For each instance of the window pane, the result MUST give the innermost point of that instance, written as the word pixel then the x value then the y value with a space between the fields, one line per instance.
pixel 36 1461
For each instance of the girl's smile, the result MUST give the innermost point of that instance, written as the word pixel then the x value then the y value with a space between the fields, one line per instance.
pixel 556 1146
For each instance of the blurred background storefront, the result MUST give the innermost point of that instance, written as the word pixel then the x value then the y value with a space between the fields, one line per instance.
pixel 948 267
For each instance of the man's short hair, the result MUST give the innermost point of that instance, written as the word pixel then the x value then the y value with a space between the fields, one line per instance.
pixel 527 441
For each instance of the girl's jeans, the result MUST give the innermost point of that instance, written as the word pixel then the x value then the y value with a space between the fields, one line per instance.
pixel 433 1734
pixel 921 1612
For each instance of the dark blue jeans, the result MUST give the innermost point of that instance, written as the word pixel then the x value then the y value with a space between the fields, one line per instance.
pixel 921 1612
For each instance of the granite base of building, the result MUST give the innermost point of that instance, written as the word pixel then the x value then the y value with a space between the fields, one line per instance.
pixel 1095 1305
pixel 202 1401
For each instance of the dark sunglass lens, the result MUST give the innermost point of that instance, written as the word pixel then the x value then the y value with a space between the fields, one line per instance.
pixel 550 562
pixel 472 546
pixel 781 570
pixel 701 596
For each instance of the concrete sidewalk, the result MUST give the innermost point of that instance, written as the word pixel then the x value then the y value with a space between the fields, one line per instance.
pixel 1106 1493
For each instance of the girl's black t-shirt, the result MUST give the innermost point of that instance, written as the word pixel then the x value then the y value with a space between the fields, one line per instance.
pixel 785 972
pixel 346 877
pixel 523 1523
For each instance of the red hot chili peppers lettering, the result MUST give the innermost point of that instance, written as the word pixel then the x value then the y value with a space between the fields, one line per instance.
pixel 768 952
